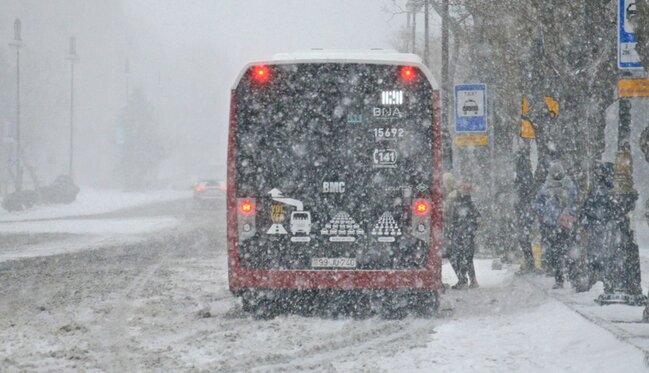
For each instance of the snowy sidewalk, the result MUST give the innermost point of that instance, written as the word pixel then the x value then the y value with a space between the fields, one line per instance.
pixel 511 324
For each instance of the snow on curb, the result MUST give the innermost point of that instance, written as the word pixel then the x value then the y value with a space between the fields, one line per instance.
pixel 90 202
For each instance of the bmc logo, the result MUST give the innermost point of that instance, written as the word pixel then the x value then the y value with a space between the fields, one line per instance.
pixel 333 187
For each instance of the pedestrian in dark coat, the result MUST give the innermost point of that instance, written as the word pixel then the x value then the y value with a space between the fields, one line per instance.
pixel 524 183
pixel 556 205
pixel 597 219
pixel 465 221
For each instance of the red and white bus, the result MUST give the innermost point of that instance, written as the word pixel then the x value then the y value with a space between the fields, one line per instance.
pixel 334 170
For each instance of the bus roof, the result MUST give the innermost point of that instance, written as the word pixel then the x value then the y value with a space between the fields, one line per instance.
pixel 372 56
pixel 375 55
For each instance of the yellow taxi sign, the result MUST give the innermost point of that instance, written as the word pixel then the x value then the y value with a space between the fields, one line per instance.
pixel 526 106
pixel 471 140
pixel 633 88
pixel 553 106
pixel 527 129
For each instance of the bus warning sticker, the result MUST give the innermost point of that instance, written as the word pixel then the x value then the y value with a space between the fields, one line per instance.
pixel 342 228
pixel 386 229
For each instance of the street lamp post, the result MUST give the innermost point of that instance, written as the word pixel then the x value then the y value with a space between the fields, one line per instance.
pixel 18 43
pixel 426 34
pixel 73 58
pixel 447 142
pixel 411 7
pixel 625 272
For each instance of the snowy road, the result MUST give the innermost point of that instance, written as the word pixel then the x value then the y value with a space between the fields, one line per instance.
pixel 162 304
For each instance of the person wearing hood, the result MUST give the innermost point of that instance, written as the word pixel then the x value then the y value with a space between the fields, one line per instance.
pixel 556 206
pixel 597 217
pixel 524 182
pixel 465 222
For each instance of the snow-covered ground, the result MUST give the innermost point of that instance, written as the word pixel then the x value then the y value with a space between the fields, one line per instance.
pixel 97 218
pixel 91 226
pixel 163 305
pixel 93 202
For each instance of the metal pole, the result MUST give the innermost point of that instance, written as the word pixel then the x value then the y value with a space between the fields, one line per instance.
pixel 73 58
pixel 426 35
pixel 408 14
pixel 414 28
pixel 18 43
pixel 19 169
pixel 127 71
pixel 71 173
pixel 626 276
pixel 446 137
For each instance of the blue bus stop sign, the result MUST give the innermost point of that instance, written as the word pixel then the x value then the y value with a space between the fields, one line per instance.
pixel 470 108
pixel 627 57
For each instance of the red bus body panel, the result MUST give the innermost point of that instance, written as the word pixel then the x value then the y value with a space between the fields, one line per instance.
pixel 429 277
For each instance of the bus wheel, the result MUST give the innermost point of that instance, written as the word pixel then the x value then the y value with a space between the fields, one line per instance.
pixel 394 306
pixel 260 307
pixel 425 304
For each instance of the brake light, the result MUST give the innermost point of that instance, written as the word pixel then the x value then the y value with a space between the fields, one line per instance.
pixel 408 73
pixel 246 207
pixel 199 188
pixel 261 74
pixel 421 207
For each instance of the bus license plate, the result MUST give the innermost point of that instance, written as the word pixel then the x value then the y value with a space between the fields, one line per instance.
pixel 333 262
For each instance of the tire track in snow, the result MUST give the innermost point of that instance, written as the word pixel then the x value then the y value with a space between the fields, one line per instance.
pixel 116 336
pixel 381 338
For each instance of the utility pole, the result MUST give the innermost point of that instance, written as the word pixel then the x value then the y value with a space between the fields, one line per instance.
pixel 408 21
pixel 411 6
pixel 447 143
pixel 73 58
pixel 626 276
pixel 18 43
pixel 426 35
pixel 127 72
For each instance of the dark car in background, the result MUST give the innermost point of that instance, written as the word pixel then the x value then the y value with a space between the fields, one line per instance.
pixel 208 192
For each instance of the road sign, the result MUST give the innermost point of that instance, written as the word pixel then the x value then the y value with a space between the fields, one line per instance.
pixel 633 88
pixel 470 108
pixel 471 140
pixel 527 129
pixel 553 106
pixel 627 57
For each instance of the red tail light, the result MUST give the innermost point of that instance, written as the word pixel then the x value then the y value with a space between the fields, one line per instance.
pixel 199 188
pixel 408 73
pixel 261 74
pixel 247 207
pixel 421 207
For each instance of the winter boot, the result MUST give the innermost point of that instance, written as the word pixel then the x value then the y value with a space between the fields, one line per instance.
pixel 459 286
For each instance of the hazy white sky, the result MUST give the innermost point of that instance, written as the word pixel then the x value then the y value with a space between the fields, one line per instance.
pixel 261 26
pixel 197 48
pixel 185 56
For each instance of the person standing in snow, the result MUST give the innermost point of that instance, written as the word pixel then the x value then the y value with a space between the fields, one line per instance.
pixel 597 218
pixel 524 183
pixel 450 196
pixel 556 206
pixel 465 222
